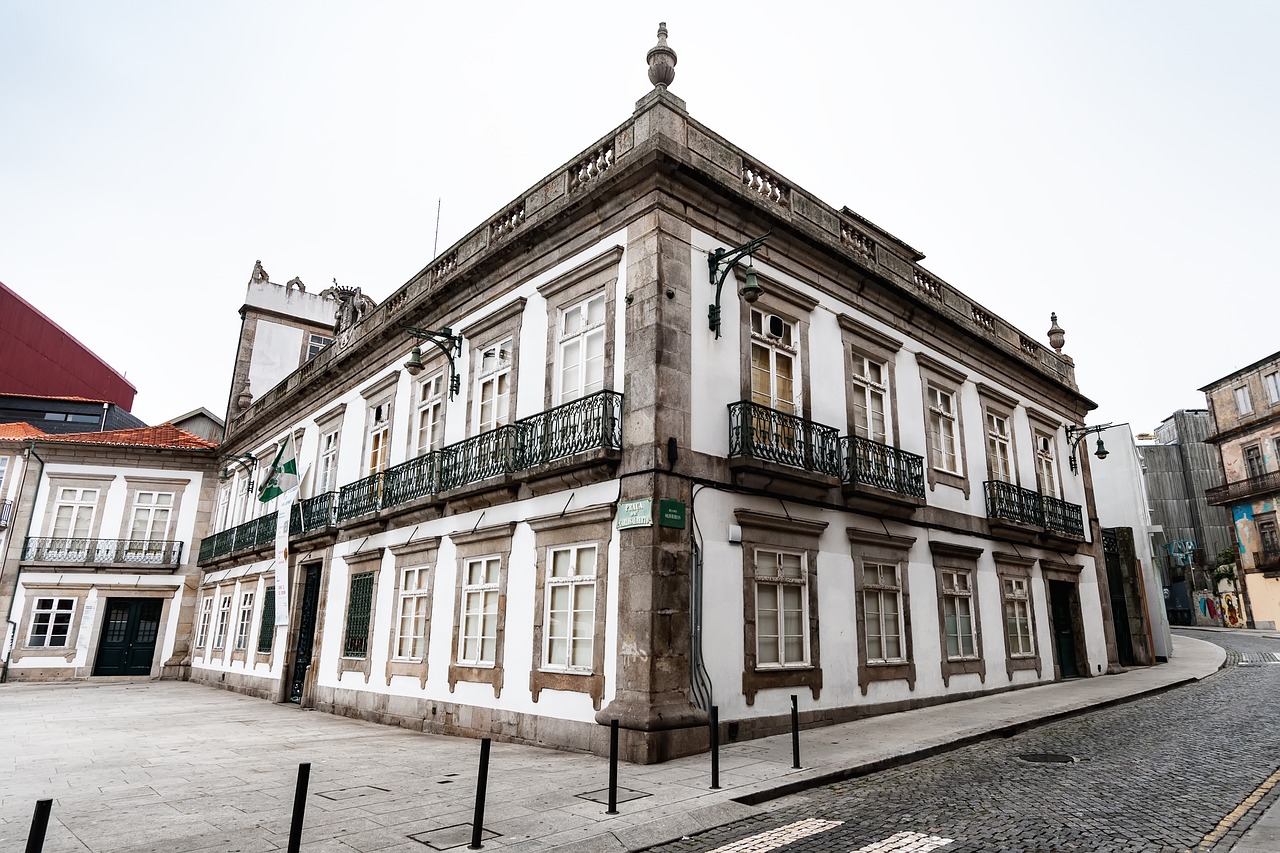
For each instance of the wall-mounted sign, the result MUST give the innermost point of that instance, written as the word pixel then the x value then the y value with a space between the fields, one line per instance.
pixel 637 513
pixel 671 513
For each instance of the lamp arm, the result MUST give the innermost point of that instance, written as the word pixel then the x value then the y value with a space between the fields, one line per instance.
pixel 448 343
pixel 728 258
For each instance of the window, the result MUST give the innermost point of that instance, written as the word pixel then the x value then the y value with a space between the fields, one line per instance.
pixel 1272 383
pixel 359 610
pixel 479 640
pixel 1253 464
pixel 1244 403
pixel 73 516
pixel 957 609
pixel 430 426
pixel 224 617
pixel 571 608
pixel 870 380
pixel 493 387
pixel 1017 618
pixel 379 438
pixel 267 627
pixel 315 343
pixel 999 448
pixel 327 480
pixel 243 621
pixel 1046 466
pixel 781 638
pixel 4 467
pixel 1268 535
pixel 151 511
pixel 773 362
pixel 581 349
pixel 206 615
pixel 942 430
pixel 51 622
pixel 412 614
pixel 882 604
pixel 224 507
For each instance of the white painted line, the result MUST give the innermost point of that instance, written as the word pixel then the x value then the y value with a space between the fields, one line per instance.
pixel 906 842
pixel 762 842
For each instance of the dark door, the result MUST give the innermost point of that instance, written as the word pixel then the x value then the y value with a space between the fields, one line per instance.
pixel 1119 607
pixel 1064 632
pixel 306 632
pixel 129 631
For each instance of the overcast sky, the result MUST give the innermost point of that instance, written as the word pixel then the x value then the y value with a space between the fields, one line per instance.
pixel 1113 162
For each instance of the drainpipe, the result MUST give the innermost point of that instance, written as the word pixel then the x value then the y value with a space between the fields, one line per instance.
pixel 13 626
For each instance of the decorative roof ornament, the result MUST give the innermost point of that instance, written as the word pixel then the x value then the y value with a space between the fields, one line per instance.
pixel 259 275
pixel 352 306
pixel 1057 336
pixel 662 60
pixel 295 282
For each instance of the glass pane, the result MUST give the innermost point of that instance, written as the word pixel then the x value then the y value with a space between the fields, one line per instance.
pixel 561 564
pixel 582 652
pixel 587 562
pixel 557 652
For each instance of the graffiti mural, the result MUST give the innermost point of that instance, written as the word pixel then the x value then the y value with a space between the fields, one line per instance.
pixel 1232 610
pixel 1207 611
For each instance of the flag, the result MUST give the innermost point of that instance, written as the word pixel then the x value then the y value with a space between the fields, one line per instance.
pixel 283 475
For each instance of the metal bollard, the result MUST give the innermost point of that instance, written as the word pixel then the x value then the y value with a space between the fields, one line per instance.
pixel 613 767
pixel 795 734
pixel 299 807
pixel 482 782
pixel 715 747
pixel 39 823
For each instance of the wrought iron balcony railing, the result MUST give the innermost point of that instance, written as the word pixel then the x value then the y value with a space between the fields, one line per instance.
pixel 410 480
pixel 480 457
pixel 1242 489
pixel 880 466
pixel 361 497
pixel 315 513
pixel 1062 517
pixel 1013 503
pixel 590 423
pixel 139 552
pixel 1268 559
pixel 759 432
pixel 6 511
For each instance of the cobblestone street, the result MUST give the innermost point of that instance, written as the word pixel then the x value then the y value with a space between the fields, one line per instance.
pixel 1165 773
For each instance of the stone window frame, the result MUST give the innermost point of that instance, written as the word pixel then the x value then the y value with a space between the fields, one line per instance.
pixel 419 554
pixel 1016 567
pixel 592 526
pixel 997 403
pixel 203 625
pixel 504 323
pixel 1247 398
pixel 1044 426
pixel 770 532
pixel 494 541
pixel 176 486
pixel 794 307
pixel 959 558
pixel 1271 385
pixel 218 642
pixel 330 421
pixel 36 589
pixel 1054 570
pixel 599 274
pixel 243 615
pixel 74 480
pixel 378 394
pixel 948 379
pixel 882 548
pixel 360 563
pixel 435 367
pixel 860 339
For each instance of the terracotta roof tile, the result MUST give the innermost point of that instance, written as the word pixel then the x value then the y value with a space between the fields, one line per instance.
pixel 20 430
pixel 163 436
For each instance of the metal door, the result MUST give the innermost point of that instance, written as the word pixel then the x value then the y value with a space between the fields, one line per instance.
pixel 306 633
pixel 130 627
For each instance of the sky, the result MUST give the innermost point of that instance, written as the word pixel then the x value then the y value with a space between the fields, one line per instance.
pixel 1111 162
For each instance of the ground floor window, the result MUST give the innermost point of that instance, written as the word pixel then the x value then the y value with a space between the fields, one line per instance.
pixel 244 621
pixel 571 608
pixel 359 608
pixel 781 635
pixel 267 627
pixel 957 610
pixel 224 618
pixel 51 622
pixel 1017 618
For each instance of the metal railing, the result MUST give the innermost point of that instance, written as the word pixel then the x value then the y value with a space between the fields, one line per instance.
pixel 1062 517
pixel 57 549
pixel 881 466
pixel 410 480
pixel 1267 559
pixel 593 422
pixel 1241 489
pixel 1013 503
pixel 759 432
pixel 361 497
pixel 480 457
pixel 317 513
pixel 6 512
pixel 314 513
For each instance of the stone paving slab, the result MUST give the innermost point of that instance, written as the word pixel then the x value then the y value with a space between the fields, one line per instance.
pixel 183 768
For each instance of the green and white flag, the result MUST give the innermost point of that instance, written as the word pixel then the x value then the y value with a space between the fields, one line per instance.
pixel 283 475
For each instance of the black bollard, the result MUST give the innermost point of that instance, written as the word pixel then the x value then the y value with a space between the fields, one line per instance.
pixel 613 767
pixel 795 734
pixel 299 807
pixel 482 781
pixel 715 747
pixel 39 823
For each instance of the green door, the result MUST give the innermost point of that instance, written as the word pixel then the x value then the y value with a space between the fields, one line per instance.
pixel 1064 635
pixel 129 630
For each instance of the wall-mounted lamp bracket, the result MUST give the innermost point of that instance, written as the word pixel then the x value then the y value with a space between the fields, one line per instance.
pixel 445 341
pixel 1077 434
pixel 727 258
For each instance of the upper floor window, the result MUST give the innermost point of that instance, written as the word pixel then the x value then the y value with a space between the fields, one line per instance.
pixel 942 429
pixel 581 349
pixel 1272 383
pixel 315 343
pixel 327 477
pixel 1244 403
pixel 1253 464
pixel 1046 466
pixel 379 438
pixel 73 516
pixel 774 356
pixel 430 426
pixel 4 467
pixel 151 511
pixel 999 448
pixel 870 379
pixel 493 386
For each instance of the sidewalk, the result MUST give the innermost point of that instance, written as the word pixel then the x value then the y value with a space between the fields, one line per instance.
pixel 179 768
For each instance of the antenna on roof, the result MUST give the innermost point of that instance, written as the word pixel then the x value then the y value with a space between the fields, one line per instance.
pixel 436 245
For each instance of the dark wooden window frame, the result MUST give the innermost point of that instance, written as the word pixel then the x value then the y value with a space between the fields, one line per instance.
pixel 882 548
pixel 1017 567
pixel 959 558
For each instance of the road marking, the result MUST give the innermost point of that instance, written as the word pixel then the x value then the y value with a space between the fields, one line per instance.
pixel 762 842
pixel 1224 825
pixel 906 842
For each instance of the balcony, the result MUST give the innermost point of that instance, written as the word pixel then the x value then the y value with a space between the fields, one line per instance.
pixel 877 476
pixel 307 516
pixel 1028 514
pixel 1267 560
pixel 1241 490
pixel 136 554
pixel 769 449
pixel 6 512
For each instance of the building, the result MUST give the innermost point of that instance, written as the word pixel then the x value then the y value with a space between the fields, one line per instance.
pixel 1245 406
pixel 97 569
pixel 59 415
pixel 665 432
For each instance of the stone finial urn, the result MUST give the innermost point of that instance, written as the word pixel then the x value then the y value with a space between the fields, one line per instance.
pixel 1056 334
pixel 662 60
pixel 245 398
